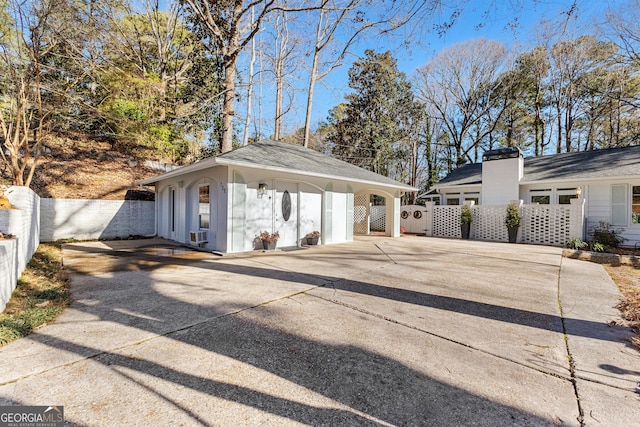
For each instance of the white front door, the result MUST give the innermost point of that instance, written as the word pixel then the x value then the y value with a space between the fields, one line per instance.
pixel 286 213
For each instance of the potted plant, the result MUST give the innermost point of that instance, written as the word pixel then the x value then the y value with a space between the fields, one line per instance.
pixel 465 221
pixel 512 221
pixel 312 238
pixel 269 240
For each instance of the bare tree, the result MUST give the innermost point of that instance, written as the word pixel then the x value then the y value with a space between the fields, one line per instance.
pixel 252 62
pixel 340 24
pixel 284 47
pixel 34 36
pixel 461 84
pixel 623 26
pixel 330 18
pixel 231 26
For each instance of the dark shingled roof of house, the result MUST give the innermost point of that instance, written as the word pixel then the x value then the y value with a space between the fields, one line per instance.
pixel 270 154
pixel 605 163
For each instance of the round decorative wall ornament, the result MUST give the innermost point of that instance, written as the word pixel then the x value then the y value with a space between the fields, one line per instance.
pixel 404 215
pixel 286 205
pixel 417 214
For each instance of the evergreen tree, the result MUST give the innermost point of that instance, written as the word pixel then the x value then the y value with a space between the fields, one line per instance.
pixel 375 128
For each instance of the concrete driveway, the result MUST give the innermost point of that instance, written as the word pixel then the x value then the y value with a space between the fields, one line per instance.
pixel 406 331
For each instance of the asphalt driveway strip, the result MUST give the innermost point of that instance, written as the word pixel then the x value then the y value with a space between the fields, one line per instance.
pixel 405 331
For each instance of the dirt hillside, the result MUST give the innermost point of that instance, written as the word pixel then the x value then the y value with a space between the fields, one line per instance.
pixel 85 170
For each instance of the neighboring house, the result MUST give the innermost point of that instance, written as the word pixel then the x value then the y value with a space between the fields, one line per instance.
pixel 608 180
pixel 222 203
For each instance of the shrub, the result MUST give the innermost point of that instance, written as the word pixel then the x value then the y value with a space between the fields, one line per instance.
pixel 465 215
pixel 513 215
pixel 607 236
pixel 577 244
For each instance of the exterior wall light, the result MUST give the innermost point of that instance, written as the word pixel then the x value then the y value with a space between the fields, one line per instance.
pixel 578 192
pixel 262 189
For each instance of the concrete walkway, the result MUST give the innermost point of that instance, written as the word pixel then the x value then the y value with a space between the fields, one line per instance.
pixel 407 331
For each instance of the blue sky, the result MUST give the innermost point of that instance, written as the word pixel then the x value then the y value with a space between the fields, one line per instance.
pixel 516 23
pixel 495 21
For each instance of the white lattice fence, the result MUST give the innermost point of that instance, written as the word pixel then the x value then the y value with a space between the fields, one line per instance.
pixel 378 217
pixel 488 223
pixel 546 224
pixel 540 224
pixel 360 216
pixel 446 221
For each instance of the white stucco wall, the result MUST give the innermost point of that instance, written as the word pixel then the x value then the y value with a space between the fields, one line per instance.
pixel 238 215
pixel 24 223
pixel 186 207
pixel 309 200
pixel 338 232
pixel 310 209
pixel 501 180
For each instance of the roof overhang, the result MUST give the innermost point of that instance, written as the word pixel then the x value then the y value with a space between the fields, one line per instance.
pixel 578 179
pixel 221 161
pixel 202 164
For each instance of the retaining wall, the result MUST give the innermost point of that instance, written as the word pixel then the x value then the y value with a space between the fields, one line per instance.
pixel 95 219
pixel 24 223
pixel 35 219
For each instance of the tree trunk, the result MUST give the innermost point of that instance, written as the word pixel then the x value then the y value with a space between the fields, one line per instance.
pixel 559 145
pixel 312 81
pixel 252 61
pixel 568 127
pixel 228 111
pixel 279 84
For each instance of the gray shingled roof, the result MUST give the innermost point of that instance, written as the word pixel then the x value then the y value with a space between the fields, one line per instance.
pixel 607 163
pixel 276 155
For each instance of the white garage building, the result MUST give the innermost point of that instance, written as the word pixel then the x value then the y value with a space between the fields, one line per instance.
pixel 222 203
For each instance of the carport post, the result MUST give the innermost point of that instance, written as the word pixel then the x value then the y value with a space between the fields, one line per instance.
pixel 392 216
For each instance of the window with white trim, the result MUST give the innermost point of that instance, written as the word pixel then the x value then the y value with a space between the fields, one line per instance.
pixel 542 197
pixel 635 204
pixel 452 199
pixel 434 199
pixel 203 207
pixel 475 197
pixel 619 209
pixel 565 195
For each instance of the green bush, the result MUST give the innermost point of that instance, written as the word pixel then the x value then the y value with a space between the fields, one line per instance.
pixel 465 216
pixel 577 244
pixel 607 236
pixel 513 215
